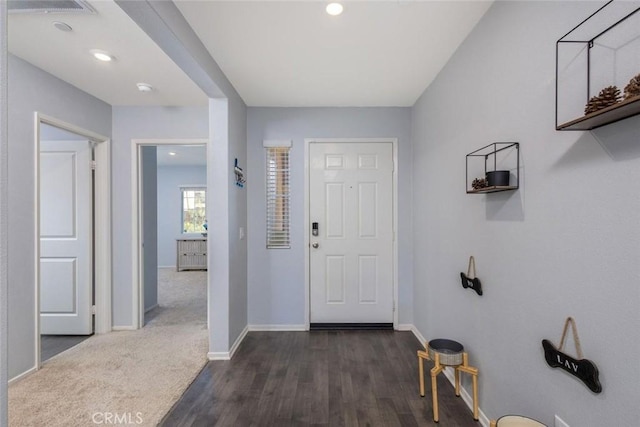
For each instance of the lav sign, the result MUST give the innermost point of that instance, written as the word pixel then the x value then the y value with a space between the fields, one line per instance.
pixel 584 369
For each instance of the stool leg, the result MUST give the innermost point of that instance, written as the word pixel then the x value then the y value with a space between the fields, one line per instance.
pixel 475 396
pixel 421 374
pixel 457 381
pixel 434 386
pixel 434 393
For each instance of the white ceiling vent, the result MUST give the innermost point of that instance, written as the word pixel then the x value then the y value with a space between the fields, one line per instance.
pixel 49 6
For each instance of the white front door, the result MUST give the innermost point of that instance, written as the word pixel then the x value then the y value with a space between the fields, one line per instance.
pixel 65 238
pixel 351 257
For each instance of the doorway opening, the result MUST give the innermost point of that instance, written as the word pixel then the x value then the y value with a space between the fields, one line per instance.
pixel 73 255
pixel 170 230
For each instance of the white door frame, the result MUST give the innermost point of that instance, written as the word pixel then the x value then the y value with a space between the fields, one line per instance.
pixel 307 252
pixel 102 229
pixel 136 226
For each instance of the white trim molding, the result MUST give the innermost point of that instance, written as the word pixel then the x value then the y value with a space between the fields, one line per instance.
pixel 238 341
pixel 23 375
pixel 137 315
pixel 277 328
pixel 101 230
pixel 228 355
pixel 270 143
pixel 466 397
pixel 123 328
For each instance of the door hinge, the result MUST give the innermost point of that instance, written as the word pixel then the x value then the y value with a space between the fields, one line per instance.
pixel 93 309
pixel 93 165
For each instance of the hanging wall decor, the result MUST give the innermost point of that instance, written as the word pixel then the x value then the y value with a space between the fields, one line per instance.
pixel 584 369
pixel 239 174
pixel 470 280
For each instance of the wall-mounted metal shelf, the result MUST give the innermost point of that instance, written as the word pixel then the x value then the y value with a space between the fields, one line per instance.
pixel 492 158
pixel 612 114
pixel 601 51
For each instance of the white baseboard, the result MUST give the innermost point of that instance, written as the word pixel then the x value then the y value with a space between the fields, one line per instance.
pixel 22 375
pixel 227 355
pixel 448 373
pixel 265 328
pixel 416 333
pixel 124 328
pixel 218 355
pixel 482 418
pixel 151 308
pixel 238 341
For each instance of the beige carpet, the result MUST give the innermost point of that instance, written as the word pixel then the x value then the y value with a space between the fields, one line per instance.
pixel 129 377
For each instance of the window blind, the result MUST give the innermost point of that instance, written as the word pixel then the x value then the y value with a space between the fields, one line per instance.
pixel 278 197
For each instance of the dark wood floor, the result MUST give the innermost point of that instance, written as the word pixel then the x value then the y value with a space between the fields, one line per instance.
pixel 331 378
pixel 50 345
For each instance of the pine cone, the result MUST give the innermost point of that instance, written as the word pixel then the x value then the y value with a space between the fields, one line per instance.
pixel 479 183
pixel 633 88
pixel 608 96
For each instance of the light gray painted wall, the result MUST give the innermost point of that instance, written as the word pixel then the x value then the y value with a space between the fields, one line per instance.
pixel 150 225
pixel 139 123
pixel 566 244
pixel 170 179
pixel 163 22
pixel 31 90
pixel 276 277
pixel 4 210
pixel 237 205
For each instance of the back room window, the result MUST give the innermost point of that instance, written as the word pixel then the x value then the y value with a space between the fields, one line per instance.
pixel 194 209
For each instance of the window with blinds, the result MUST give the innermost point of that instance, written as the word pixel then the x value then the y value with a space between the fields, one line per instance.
pixel 278 197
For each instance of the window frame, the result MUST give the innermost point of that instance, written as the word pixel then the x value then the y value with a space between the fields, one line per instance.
pixel 184 188
pixel 278 194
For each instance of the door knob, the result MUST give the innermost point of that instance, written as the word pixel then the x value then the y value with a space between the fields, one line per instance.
pixel 315 245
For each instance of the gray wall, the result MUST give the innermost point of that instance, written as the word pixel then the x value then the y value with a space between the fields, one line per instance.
pixel 237 205
pixel 276 277
pixel 139 123
pixel 566 244
pixel 4 210
pixel 227 315
pixel 150 225
pixel 30 90
pixel 170 179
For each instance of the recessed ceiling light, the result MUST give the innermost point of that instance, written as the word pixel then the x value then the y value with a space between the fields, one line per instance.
pixel 101 55
pixel 62 26
pixel 334 9
pixel 144 87
pixel 172 153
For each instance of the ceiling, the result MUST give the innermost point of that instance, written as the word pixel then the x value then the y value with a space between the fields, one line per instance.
pixel 292 53
pixel 275 53
pixel 184 155
pixel 33 38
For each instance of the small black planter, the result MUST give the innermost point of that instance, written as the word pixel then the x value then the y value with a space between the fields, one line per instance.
pixel 498 178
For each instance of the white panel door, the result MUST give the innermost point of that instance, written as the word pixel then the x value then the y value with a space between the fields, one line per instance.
pixel 65 238
pixel 351 258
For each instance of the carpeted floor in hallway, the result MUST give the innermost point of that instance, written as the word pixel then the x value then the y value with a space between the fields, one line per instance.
pixel 133 377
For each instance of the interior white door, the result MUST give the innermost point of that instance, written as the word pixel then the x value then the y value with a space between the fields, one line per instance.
pixel 66 231
pixel 351 257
